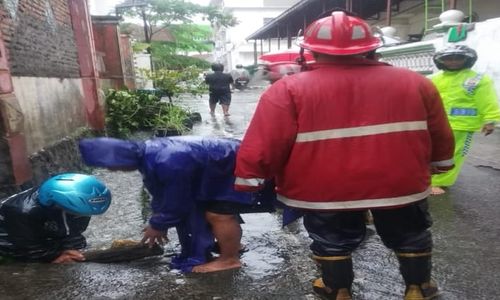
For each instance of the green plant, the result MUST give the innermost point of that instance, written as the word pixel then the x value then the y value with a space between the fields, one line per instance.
pixel 158 15
pixel 176 82
pixel 127 111
pixel 171 117
pixel 149 103
pixel 139 47
pixel 177 62
pixel 121 110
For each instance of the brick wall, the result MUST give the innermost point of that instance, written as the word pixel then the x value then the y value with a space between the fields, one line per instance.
pixel 39 38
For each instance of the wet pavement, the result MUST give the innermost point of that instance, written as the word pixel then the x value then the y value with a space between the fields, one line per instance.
pixel 278 265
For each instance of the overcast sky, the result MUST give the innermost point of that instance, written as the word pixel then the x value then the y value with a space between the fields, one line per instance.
pixel 104 7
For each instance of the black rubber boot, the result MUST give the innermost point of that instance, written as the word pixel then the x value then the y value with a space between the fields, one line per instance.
pixel 337 277
pixel 416 270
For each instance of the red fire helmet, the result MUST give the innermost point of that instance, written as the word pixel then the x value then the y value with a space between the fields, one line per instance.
pixel 339 34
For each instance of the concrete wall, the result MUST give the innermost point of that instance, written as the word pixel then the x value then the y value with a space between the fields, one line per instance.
pixel 114 53
pixel 53 108
pixel 48 87
pixel 43 59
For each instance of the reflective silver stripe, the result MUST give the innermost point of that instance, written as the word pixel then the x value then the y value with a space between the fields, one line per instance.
pixel 249 181
pixel 443 163
pixel 65 222
pixel 364 203
pixel 360 131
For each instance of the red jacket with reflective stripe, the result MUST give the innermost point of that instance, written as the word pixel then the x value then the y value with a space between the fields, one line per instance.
pixel 347 135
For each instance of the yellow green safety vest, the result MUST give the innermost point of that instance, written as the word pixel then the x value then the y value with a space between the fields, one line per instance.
pixel 469 98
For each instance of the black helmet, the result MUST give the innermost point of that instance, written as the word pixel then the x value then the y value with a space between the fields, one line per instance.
pixel 217 67
pixel 462 50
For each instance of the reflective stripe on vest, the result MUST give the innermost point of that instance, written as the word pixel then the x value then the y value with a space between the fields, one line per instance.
pixel 457 111
pixel 360 131
pixel 355 204
pixel 253 182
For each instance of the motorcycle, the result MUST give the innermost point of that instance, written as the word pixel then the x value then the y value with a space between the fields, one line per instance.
pixel 241 83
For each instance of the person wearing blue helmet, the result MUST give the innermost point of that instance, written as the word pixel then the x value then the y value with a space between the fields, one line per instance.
pixel 45 223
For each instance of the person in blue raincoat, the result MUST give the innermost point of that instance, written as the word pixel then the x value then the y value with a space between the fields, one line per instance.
pixel 191 182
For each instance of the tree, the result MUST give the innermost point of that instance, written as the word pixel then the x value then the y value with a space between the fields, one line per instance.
pixel 162 14
pixel 191 37
pixel 164 57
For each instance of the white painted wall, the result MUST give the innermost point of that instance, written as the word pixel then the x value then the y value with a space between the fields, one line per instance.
pixel 52 108
pixel 142 61
pixel 251 15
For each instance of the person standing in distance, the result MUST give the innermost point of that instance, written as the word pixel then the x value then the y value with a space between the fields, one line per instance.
pixel 342 138
pixel 219 86
pixel 470 101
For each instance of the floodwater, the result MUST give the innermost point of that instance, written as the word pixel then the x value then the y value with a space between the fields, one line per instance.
pixel 278 265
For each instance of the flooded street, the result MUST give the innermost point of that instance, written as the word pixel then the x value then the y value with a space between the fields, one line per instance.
pixel 278 265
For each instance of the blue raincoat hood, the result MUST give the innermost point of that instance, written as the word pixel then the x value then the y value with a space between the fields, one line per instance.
pixel 180 173
pixel 111 153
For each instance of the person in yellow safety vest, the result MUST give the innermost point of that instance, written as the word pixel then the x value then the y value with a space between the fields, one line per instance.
pixel 470 101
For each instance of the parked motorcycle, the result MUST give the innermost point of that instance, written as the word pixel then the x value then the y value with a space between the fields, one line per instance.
pixel 241 77
pixel 241 83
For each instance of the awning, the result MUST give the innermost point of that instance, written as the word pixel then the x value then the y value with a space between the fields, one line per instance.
pixel 305 12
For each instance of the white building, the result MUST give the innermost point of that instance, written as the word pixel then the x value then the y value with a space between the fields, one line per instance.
pixel 102 7
pixel 231 48
pixel 410 18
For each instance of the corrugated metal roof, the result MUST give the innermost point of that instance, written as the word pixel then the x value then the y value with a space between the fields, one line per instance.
pixel 305 12
pixel 131 3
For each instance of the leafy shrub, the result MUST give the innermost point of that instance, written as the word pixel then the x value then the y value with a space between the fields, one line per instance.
pixel 121 110
pixel 171 117
pixel 175 82
pixel 128 111
pixel 179 62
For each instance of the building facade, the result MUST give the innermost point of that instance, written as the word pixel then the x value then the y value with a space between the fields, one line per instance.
pixel 49 88
pixel 231 46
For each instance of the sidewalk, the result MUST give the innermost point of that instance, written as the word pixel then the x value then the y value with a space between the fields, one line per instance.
pixel 486 150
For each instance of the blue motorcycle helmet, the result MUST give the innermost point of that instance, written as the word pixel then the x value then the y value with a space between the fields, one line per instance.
pixel 75 193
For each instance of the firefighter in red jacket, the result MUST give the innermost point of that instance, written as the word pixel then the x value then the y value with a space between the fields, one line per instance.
pixel 348 135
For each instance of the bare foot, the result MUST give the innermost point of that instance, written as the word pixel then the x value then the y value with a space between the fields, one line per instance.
pixel 368 218
pixel 436 190
pixel 217 265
